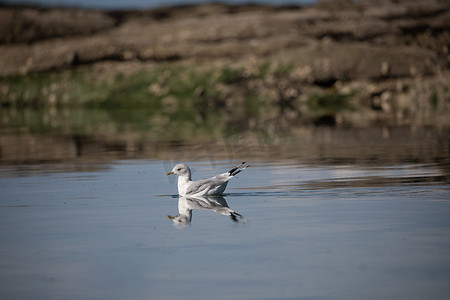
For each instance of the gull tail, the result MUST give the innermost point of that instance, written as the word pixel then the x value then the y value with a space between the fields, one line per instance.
pixel 236 169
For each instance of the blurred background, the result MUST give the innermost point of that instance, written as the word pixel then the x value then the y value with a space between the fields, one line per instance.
pixel 340 107
pixel 144 79
pixel 146 4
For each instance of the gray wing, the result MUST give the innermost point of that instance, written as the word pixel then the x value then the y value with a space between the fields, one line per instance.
pixel 206 184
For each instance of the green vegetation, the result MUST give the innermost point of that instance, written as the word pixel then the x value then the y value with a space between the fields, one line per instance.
pixel 433 98
pixel 230 75
pixel 261 71
pixel 283 68
pixel 167 101
pixel 52 89
pixel 329 102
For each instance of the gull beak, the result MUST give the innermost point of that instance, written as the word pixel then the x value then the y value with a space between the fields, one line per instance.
pixel 169 173
pixel 170 217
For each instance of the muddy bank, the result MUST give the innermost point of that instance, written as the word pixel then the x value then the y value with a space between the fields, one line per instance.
pixel 389 60
pixel 406 38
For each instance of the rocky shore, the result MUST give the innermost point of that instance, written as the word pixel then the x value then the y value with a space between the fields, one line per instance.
pixel 389 60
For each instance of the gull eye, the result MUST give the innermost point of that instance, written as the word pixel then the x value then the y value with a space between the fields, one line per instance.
pixel 179 169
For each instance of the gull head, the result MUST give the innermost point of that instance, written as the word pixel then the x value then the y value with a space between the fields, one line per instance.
pixel 180 170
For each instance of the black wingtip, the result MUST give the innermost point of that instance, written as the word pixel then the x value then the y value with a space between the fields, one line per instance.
pixel 236 170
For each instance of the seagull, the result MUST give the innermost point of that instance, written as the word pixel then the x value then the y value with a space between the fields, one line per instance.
pixel 204 187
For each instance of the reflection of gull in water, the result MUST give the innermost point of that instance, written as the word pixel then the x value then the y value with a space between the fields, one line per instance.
pixel 211 186
pixel 216 203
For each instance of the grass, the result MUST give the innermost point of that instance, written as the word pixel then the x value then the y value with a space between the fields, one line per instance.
pixel 145 89
pixel 170 100
pixel 434 98
pixel 163 97
pixel 329 102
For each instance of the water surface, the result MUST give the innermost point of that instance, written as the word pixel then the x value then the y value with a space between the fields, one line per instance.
pixel 90 230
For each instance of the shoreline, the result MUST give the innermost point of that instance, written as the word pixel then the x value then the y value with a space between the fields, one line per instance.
pixel 336 63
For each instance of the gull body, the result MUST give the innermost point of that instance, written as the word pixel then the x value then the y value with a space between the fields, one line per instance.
pixel 204 187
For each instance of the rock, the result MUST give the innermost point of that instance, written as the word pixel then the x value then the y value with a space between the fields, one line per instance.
pixel 26 25
pixel 337 44
pixel 372 41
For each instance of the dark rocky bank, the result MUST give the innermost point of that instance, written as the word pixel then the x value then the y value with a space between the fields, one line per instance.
pixel 392 56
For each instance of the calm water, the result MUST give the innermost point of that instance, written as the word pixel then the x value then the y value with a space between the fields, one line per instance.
pixel 86 230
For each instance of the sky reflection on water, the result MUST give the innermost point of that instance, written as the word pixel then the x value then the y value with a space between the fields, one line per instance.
pixel 104 234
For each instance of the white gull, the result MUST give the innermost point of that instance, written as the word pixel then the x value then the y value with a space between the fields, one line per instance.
pixel 204 187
